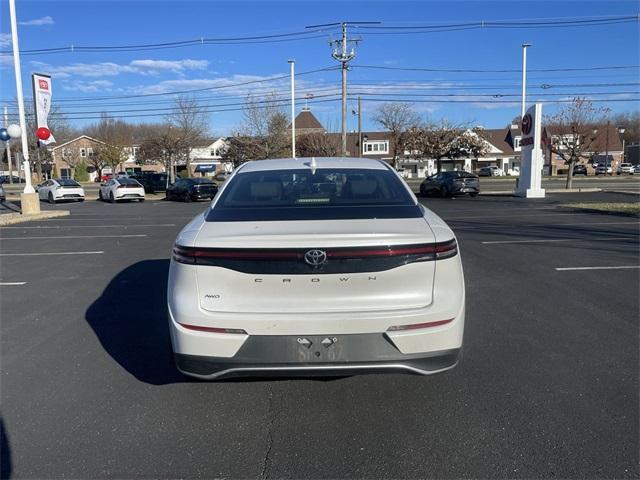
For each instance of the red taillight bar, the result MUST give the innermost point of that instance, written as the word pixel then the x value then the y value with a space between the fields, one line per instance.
pixel 441 250
pixel 213 329
pixel 417 326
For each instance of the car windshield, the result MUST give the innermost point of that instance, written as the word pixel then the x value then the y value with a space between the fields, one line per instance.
pixel 325 194
pixel 127 181
pixel 67 182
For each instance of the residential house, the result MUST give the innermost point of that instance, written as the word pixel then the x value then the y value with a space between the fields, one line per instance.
pixel 606 141
pixel 66 156
pixel 207 159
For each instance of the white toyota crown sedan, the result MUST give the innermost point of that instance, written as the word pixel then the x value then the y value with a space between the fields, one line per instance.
pixel 325 266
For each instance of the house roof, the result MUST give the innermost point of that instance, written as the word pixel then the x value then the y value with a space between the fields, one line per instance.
pixel 76 139
pixel 306 120
pixel 501 138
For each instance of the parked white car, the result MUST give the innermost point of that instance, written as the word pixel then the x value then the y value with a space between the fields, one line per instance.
pixel 122 188
pixel 58 189
pixel 325 266
pixel 491 171
pixel 514 172
pixel 625 168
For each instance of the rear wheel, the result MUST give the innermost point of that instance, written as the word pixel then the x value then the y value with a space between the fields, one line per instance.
pixel 141 200
pixel 444 192
pixel 100 195
pixel 187 197
pixel 473 194
pixel 112 199
pixel 81 199
pixel 51 199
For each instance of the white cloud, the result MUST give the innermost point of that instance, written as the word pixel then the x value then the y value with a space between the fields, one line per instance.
pixel 5 39
pixel 38 22
pixel 109 69
pixel 88 87
pixel 213 83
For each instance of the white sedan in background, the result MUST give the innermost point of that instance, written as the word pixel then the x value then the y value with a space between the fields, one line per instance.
pixel 315 266
pixel 58 189
pixel 121 188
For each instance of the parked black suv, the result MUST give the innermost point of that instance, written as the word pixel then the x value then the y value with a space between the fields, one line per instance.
pixel 152 182
pixel 448 184
pixel 190 189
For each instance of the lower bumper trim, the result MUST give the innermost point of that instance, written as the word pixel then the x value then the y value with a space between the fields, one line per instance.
pixel 211 368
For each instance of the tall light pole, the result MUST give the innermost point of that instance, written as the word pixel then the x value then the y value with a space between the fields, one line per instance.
pixel 524 78
pixel 293 108
pixel 18 74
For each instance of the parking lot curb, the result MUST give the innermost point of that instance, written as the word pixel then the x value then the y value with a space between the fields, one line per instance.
pixel 623 192
pixel 11 218
pixel 509 193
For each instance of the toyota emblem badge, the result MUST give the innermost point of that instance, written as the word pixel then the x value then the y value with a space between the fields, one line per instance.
pixel 315 258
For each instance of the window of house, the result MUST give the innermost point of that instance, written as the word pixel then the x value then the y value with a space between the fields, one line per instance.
pixel 65 173
pixel 90 152
pixel 83 152
pixel 516 143
pixel 213 153
pixel 376 146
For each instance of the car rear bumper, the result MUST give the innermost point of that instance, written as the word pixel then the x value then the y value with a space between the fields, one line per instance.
pixel 243 365
pixel 461 190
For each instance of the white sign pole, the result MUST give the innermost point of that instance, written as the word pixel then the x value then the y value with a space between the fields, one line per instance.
pixel 530 180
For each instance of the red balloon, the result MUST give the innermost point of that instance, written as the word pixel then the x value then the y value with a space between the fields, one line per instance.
pixel 43 133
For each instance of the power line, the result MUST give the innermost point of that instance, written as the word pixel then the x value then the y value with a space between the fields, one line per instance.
pixel 312 32
pixel 460 70
pixel 301 35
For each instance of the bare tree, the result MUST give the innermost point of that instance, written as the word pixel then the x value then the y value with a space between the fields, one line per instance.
pixel 397 118
pixel 190 122
pixel 573 131
pixel 442 140
pixel 163 145
pixel 318 145
pixel 264 133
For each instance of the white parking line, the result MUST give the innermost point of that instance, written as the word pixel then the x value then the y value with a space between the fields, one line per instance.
pixel 516 215
pixel 91 226
pixel 74 236
pixel 10 284
pixel 47 253
pixel 551 240
pixel 619 267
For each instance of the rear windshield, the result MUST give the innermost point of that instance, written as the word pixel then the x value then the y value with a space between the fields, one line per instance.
pixel 326 194
pixel 67 182
pixel 127 181
pixel 204 181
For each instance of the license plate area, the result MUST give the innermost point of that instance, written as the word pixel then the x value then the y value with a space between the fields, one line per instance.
pixel 316 348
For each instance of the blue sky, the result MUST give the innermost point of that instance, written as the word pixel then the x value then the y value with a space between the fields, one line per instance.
pixel 80 77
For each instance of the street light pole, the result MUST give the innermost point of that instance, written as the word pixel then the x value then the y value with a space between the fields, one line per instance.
pixel 18 74
pixel 293 108
pixel 621 131
pixel 524 78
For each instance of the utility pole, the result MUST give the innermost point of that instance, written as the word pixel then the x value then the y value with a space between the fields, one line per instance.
pixel 524 78
pixel 342 54
pixel 8 143
pixel 293 108
pixel 359 126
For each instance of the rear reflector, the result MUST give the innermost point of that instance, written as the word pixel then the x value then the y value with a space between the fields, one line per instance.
pixel 198 328
pixel 417 326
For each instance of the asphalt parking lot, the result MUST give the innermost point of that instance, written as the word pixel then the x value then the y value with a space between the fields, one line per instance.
pixel 548 386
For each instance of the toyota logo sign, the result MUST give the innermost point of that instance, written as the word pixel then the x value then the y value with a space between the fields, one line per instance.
pixel 315 258
pixel 527 122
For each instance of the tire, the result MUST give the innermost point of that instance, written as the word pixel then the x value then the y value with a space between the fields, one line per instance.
pixel 100 196
pixel 187 197
pixel 51 199
pixel 141 200
pixel 112 198
pixel 444 192
pixel 473 195
pixel 81 200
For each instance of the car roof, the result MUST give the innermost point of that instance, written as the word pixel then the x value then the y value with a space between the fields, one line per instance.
pixel 321 162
